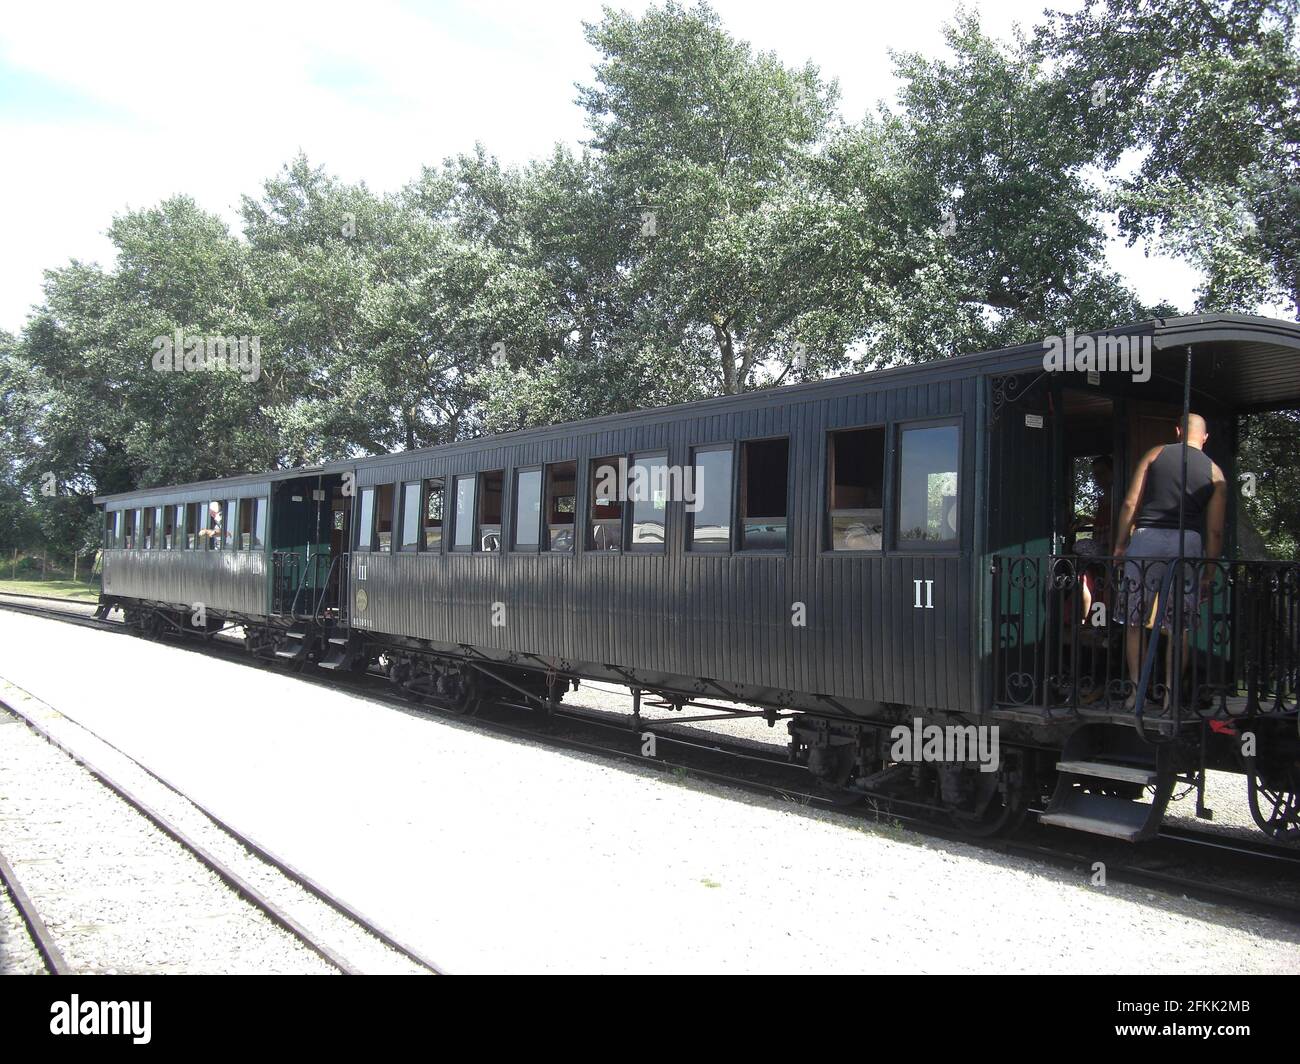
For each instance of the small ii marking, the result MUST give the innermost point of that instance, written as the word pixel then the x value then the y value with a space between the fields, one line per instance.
pixel 928 603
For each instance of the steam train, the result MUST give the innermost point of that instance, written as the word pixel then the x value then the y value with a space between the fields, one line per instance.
pixel 902 549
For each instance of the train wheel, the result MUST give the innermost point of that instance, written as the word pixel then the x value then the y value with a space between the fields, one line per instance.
pixel 1275 800
pixel 996 802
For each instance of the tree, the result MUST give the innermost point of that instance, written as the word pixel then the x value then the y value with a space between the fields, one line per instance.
pixel 1208 91
pixel 701 137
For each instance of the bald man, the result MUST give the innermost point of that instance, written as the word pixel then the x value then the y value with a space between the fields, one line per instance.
pixel 1149 535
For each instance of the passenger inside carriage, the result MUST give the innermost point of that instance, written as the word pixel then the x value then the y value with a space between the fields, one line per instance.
pixel 1092 579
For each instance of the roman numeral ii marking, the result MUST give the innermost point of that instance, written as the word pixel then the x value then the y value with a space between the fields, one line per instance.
pixel 928 604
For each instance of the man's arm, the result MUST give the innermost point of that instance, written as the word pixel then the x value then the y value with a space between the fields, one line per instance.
pixel 1214 513
pixel 1133 499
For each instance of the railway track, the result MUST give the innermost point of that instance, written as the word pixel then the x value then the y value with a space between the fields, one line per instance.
pixel 1234 872
pixel 240 884
pixel 42 940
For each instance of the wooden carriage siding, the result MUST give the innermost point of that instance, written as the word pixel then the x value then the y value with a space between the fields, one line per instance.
pixel 728 616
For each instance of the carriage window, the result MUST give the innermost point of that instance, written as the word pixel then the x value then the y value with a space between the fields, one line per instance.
pixel 385 495
pixel 528 509
pixel 561 505
pixel 605 529
pixel 259 524
pixel 433 514
pixel 128 534
pixel 927 485
pixel 232 522
pixel 710 511
pixel 648 492
pixel 491 488
pixel 244 526
pixel 764 472
pixel 110 529
pixel 411 515
pixel 856 479
pixel 191 530
pixel 168 528
pixel 147 529
pixel 463 530
pixel 213 525
pixel 365 519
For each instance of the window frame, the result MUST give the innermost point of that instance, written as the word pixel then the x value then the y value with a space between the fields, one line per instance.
pixel 444 525
pixel 365 533
pixel 545 541
pixel 886 492
pixel 912 546
pixel 502 525
pixel 738 528
pixel 455 512
pixel 515 473
pixel 260 514
pixel 629 511
pixel 733 502
pixel 588 503
pixel 399 525
pixel 378 511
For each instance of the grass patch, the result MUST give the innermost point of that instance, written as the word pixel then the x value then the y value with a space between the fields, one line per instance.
pixel 77 591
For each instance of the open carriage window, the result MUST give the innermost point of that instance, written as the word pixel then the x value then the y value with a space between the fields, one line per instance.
pixel 128 531
pixel 606 492
pixel 929 513
pixel 491 490
pixel 433 491
pixel 856 482
pixel 764 494
pixel 147 530
pixel 561 506
pixel 169 527
pixel 249 532
pixel 385 495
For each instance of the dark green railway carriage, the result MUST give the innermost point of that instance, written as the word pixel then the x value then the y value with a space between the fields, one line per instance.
pixel 866 551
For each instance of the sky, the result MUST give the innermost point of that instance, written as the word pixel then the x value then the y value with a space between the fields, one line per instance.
pixel 111 107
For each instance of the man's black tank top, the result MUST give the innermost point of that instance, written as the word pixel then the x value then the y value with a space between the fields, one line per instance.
pixel 1164 477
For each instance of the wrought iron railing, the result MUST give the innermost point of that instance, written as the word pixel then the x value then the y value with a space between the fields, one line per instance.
pixel 302 589
pixel 286 579
pixel 1063 639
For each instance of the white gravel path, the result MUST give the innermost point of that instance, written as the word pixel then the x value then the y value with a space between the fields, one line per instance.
pixel 492 854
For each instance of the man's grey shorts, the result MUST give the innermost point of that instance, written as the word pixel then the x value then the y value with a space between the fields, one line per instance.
pixel 1145 563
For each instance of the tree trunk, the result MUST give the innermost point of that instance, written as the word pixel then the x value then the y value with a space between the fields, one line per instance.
pixel 728 352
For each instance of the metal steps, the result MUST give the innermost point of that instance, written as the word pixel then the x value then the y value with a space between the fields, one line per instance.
pixel 1104 770
pixel 342 651
pixel 297 642
pixel 1101 758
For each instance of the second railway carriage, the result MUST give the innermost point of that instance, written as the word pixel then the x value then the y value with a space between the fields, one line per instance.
pixel 893 548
